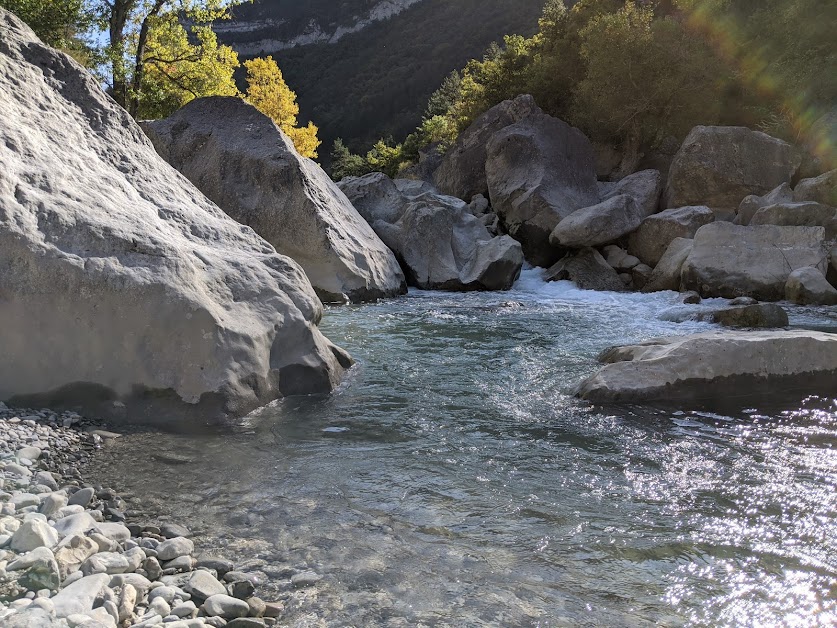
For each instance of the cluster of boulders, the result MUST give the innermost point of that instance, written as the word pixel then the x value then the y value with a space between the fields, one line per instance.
pixel 442 242
pixel 723 220
pixel 67 557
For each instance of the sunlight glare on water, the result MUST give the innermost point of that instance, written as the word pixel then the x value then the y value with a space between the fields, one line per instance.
pixel 453 480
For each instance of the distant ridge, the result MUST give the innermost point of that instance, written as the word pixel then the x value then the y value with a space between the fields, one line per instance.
pixel 364 69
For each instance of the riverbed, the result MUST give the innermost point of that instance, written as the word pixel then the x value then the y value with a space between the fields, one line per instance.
pixel 453 480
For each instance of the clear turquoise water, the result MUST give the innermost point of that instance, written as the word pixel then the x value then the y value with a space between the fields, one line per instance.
pixel 453 481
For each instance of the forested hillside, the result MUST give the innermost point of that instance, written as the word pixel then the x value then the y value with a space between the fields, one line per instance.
pixel 374 82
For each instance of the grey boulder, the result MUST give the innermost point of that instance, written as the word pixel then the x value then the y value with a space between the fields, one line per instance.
pixel 731 261
pixel 804 214
pixel 718 166
pixel 650 241
pixel 666 274
pixel 598 224
pixel 709 367
pixel 121 282
pixel 241 160
pixel 752 203
pixel 644 187
pixel 808 286
pixel 539 170
pixel 375 196
pixel 821 189
pixel 462 170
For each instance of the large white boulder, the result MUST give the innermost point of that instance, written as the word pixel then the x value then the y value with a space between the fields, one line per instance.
pixel 240 159
pixel 730 261
pixel 119 280
pixel 713 365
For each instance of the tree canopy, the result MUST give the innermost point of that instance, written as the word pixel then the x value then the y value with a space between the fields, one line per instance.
pixel 632 73
pixel 268 92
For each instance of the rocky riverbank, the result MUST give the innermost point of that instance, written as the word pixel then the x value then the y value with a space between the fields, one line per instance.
pixel 70 555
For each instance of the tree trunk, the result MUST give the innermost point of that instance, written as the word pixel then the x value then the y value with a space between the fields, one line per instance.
pixel 139 60
pixel 630 153
pixel 120 11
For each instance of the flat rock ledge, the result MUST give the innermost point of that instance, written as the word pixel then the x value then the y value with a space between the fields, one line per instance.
pixel 715 366
pixel 69 558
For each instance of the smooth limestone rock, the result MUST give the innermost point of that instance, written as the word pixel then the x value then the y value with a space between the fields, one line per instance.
pixel 808 286
pixel 644 187
pixel 731 261
pixel 713 365
pixel 120 280
pixel 752 203
pixel 539 171
pixel 588 270
pixel 598 224
pixel 667 272
pixel 805 214
pixel 241 160
pixel 462 170
pixel 33 534
pixel 225 606
pixel 821 189
pixel 79 596
pixel 650 241
pixel 718 166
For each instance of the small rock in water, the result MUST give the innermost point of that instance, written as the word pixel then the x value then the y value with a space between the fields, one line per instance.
pixel 305 579
pixel 173 530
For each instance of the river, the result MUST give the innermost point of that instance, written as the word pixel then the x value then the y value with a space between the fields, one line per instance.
pixel 453 480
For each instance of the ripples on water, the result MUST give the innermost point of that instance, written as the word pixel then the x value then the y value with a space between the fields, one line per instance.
pixel 454 481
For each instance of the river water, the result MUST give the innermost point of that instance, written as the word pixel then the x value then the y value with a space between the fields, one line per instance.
pixel 453 480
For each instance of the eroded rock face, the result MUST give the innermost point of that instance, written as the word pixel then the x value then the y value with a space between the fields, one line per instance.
pixel 539 170
pixel 718 166
pixel 656 232
pixel 713 365
pixel 240 159
pixel 119 280
pixel 731 261
pixel 462 171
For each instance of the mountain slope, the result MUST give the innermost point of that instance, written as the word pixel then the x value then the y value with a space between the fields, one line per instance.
pixel 371 64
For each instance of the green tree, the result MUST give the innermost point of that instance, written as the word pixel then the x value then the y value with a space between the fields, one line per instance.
pixel 176 70
pixel 646 78
pixel 344 163
pixel 129 27
pixel 59 23
pixel 270 94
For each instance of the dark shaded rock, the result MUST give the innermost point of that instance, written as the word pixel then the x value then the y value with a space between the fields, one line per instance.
pixel 462 170
pixel 588 270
